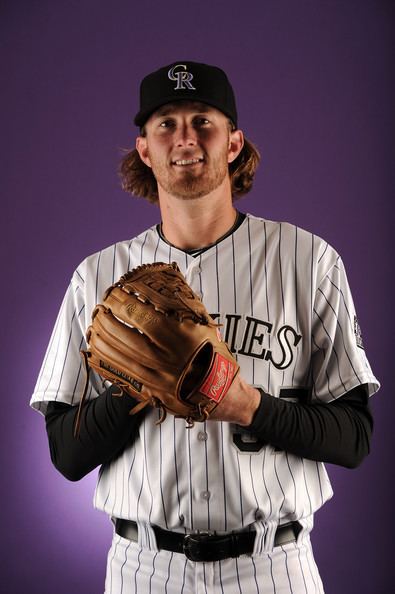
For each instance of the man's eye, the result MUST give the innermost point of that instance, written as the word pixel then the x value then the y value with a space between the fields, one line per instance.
pixel 201 121
pixel 166 124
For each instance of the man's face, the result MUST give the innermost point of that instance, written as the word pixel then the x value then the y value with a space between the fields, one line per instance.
pixel 187 145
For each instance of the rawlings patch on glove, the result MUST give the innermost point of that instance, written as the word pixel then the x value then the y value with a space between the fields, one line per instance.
pixel 153 337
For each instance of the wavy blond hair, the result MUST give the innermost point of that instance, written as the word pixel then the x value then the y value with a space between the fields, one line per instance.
pixel 138 179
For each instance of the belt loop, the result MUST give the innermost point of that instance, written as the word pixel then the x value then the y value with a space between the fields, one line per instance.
pixel 265 534
pixel 234 544
pixel 306 525
pixel 146 536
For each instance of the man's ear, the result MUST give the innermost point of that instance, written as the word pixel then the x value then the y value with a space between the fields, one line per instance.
pixel 142 149
pixel 236 143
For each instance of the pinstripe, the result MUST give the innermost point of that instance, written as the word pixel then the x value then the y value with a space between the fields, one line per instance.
pixel 306 487
pixel 99 478
pixel 327 376
pixel 204 577
pixel 255 579
pixel 65 356
pixel 168 575
pixel 251 288
pixel 252 485
pixel 156 247
pixel 281 271
pixel 200 275
pixel 139 493
pixel 220 576
pixel 279 484
pixel 97 277
pixel 77 377
pixel 53 367
pixel 142 248
pixel 313 576
pixel 217 275
pixel 312 273
pixel 161 475
pixel 333 346
pixel 284 320
pixel 113 557
pixel 296 299
pixel 267 299
pixel 49 351
pixel 237 575
pixel 124 488
pixel 287 570
pixel 183 577
pixel 137 570
pixel 113 262
pixel 234 273
pixel 355 372
pixel 302 572
pixel 250 267
pixel 153 572
pixel 207 481
pixel 271 574
pixel 123 565
pixel 129 254
pixel 264 482
pixel 293 479
pixel 130 473
pixel 341 293
pixel 319 481
pixel 77 272
pixel 240 491
pixel 223 475
pixel 148 478
pixel 190 481
pixel 176 468
pixel 323 253
pixel 118 485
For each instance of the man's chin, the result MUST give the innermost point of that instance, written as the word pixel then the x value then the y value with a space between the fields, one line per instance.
pixel 189 193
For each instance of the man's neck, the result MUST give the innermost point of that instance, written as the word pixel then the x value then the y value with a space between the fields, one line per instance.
pixel 197 223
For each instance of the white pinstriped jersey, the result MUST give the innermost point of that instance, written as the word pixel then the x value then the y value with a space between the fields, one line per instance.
pixel 283 300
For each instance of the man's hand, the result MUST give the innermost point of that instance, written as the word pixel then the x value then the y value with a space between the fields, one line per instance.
pixel 239 405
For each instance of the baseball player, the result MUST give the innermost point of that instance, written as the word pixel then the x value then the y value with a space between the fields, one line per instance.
pixel 227 505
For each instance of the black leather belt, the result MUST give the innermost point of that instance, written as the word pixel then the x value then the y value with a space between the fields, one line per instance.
pixel 207 547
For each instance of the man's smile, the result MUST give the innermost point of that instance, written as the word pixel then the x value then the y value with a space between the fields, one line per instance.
pixel 183 162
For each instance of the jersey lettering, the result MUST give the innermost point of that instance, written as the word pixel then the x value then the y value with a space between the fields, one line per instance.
pixel 254 339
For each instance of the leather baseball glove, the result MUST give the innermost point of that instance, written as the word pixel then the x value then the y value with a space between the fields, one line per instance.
pixel 153 337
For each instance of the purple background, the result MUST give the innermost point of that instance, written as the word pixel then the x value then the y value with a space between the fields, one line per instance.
pixel 315 88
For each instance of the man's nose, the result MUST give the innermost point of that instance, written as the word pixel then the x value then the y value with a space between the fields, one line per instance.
pixel 186 135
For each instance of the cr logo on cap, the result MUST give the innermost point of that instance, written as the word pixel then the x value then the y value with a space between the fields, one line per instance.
pixel 183 77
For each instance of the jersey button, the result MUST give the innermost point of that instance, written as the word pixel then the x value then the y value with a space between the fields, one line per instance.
pixel 202 436
pixel 206 495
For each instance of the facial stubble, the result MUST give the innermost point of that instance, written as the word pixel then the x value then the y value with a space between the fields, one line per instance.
pixel 190 184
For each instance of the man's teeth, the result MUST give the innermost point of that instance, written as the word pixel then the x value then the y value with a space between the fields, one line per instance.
pixel 187 161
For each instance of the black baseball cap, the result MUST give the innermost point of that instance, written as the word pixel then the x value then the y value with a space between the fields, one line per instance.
pixel 186 80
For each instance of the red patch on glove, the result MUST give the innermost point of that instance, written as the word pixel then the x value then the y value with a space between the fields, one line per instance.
pixel 218 381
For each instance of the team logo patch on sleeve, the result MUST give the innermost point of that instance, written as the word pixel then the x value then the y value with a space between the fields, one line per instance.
pixel 358 333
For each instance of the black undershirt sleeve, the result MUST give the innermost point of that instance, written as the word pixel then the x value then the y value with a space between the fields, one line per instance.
pixel 105 430
pixel 338 432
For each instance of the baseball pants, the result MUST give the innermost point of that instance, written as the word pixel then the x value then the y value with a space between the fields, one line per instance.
pixel 288 569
